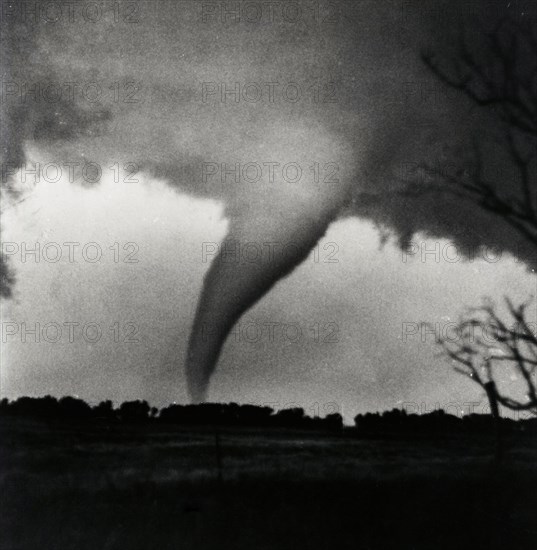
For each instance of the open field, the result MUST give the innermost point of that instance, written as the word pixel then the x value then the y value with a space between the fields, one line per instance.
pixel 145 488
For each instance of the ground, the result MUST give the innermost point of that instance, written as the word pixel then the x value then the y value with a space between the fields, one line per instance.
pixel 159 488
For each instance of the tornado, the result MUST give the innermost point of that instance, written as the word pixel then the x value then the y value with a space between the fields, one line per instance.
pixel 235 281
pixel 274 222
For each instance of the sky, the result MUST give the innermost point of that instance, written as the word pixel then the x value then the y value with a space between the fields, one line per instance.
pixel 341 331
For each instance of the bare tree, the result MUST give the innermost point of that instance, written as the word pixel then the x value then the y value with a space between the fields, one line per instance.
pixel 487 348
pixel 499 75
pixel 493 354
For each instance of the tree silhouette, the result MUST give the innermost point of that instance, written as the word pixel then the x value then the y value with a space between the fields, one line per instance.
pixel 499 75
pixel 292 417
pixel 134 411
pixel 333 421
pixel 74 408
pixel 105 411
pixel 486 344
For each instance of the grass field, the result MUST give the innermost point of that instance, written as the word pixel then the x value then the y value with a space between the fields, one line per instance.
pixel 158 488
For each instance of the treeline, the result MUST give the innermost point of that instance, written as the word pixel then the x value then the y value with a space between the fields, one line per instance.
pixel 70 409
pixel 396 421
